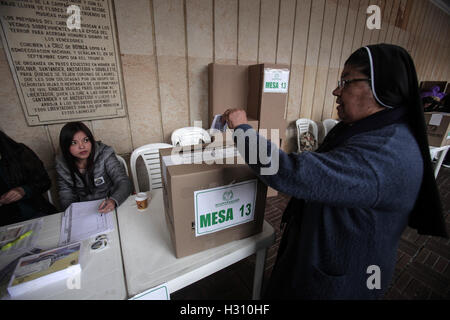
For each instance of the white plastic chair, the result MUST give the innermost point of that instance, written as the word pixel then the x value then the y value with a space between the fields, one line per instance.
pixel 307 125
pixel 189 136
pixel 150 155
pixel 49 197
pixel 437 156
pixel 328 124
pixel 123 162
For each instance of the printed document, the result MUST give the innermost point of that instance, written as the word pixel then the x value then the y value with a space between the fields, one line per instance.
pixel 82 221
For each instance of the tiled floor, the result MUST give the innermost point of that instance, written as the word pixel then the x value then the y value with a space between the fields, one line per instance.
pixel 422 270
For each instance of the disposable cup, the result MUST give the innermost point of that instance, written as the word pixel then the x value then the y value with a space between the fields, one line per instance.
pixel 141 201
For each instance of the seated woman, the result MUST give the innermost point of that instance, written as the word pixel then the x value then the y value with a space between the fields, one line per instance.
pixel 89 170
pixel 23 179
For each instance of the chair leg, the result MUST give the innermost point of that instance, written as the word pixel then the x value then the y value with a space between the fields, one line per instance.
pixel 259 273
pixel 441 157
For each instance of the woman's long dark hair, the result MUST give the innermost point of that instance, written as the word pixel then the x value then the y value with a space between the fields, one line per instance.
pixel 65 141
pixel 8 151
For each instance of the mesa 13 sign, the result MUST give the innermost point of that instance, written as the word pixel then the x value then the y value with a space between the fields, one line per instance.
pixel 224 207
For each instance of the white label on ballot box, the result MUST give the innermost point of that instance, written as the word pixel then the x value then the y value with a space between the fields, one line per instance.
pixel 276 80
pixel 224 207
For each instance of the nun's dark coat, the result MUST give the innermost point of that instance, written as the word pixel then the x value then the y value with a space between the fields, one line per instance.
pixel 353 198
pixel 358 199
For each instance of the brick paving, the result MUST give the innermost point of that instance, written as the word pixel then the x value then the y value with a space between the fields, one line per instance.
pixel 422 270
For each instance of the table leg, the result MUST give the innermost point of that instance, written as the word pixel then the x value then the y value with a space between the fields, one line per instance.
pixel 259 273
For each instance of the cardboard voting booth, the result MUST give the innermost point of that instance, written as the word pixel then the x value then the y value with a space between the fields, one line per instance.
pixel 259 89
pixel 228 88
pixel 267 95
pixel 210 198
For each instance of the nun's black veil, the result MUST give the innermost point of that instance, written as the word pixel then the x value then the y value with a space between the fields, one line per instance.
pixel 394 85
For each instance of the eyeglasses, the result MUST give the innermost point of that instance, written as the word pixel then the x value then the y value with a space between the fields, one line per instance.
pixel 342 83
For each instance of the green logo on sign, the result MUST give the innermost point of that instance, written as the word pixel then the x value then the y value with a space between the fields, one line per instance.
pixel 227 195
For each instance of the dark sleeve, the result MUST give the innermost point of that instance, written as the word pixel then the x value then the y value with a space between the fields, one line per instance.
pixel 36 177
pixel 66 192
pixel 341 177
pixel 121 183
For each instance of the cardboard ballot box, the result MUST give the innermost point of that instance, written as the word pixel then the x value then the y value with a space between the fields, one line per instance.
pixel 208 204
pixel 438 128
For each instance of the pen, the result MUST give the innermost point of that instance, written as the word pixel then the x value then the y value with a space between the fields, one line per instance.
pixel 107 197
pixel 104 204
pixel 10 244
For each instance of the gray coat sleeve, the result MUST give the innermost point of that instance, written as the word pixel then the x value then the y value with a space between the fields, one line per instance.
pixel 66 192
pixel 121 188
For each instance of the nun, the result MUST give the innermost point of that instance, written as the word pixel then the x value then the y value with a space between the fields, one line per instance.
pixel 352 198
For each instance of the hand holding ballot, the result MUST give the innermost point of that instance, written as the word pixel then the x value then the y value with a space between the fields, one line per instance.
pixel 235 117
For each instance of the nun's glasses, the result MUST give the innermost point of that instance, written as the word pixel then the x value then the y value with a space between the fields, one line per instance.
pixel 342 83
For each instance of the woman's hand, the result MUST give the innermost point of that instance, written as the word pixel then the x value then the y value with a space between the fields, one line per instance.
pixel 12 195
pixel 107 206
pixel 235 117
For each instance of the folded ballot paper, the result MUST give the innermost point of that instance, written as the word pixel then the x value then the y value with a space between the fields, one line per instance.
pixel 82 221
pixel 38 270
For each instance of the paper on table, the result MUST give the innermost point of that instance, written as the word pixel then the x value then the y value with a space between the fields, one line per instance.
pixel 34 267
pixel 11 232
pixel 38 270
pixel 82 221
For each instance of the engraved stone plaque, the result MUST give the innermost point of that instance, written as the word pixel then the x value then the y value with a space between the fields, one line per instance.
pixel 64 59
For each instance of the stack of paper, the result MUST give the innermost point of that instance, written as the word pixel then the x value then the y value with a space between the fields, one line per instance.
pixel 82 221
pixel 35 271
